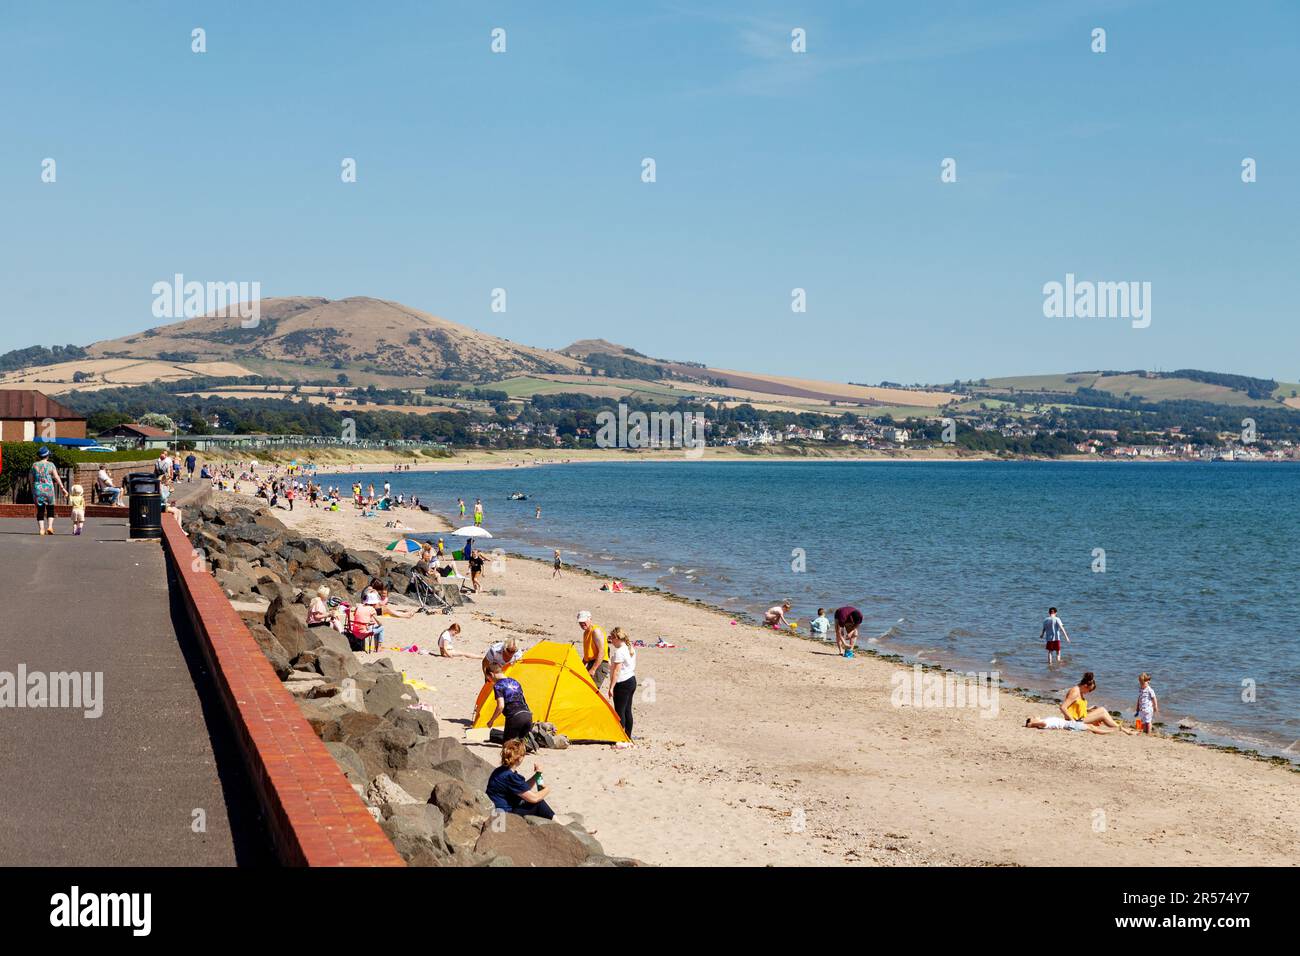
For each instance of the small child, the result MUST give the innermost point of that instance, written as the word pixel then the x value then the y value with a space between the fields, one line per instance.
pixel 556 564
pixel 77 501
pixel 820 625
pixel 1148 705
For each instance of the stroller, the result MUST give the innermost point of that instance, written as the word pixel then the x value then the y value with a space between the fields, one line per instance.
pixel 429 595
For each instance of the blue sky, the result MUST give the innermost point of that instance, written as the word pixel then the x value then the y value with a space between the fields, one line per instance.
pixel 775 170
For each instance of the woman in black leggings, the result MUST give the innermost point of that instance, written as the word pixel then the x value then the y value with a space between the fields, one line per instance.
pixel 511 702
pixel 622 677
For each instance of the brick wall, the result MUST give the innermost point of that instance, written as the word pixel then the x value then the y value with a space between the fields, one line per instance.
pixel 314 816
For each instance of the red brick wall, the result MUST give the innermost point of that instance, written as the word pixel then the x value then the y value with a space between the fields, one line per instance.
pixel 314 815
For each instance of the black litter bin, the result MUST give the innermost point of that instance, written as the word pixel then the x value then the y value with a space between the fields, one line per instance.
pixel 145 499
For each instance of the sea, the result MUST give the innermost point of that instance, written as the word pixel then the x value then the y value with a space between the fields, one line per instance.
pixel 1187 571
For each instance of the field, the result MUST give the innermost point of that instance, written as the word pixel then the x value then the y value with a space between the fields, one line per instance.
pixel 1136 386
pixel 112 373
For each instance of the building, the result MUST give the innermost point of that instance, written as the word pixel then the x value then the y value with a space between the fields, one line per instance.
pixel 29 415
pixel 144 436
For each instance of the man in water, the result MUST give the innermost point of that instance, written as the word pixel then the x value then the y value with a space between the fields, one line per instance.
pixel 1051 634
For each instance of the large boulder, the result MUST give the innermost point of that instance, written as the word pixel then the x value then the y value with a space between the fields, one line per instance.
pixel 384 749
pixel 388 692
pixel 288 622
pixel 318 560
pixel 372 563
pixel 383 792
pixel 272 649
pixel 417 833
pixel 548 844
pixel 334 666
pixel 351 765
pixel 233 583
pixel 450 757
pixel 421 721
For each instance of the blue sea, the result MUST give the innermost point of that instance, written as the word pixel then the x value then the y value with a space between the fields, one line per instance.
pixel 1185 570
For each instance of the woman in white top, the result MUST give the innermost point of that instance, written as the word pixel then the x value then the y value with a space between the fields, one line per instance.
pixel 622 677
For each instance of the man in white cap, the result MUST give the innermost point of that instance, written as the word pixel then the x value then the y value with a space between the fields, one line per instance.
pixel 595 649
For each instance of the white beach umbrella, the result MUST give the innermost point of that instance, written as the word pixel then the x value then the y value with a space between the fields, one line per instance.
pixel 472 531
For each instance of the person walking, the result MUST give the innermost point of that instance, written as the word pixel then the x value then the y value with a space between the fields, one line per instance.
pixel 1051 634
pixel 45 479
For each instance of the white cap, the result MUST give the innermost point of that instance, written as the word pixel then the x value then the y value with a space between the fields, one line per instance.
pixel 584 617
pixel 372 597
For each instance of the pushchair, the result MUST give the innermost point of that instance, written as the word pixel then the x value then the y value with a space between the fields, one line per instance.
pixel 428 594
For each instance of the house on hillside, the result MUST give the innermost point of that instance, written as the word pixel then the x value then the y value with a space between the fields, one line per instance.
pixel 29 415
pixel 144 436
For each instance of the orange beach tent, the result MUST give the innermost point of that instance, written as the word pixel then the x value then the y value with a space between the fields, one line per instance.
pixel 560 691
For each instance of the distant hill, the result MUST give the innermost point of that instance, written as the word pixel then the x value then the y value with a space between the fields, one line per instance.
pixel 1182 385
pixel 344 333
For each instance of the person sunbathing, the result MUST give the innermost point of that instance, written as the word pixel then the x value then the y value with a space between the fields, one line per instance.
pixel 1076 714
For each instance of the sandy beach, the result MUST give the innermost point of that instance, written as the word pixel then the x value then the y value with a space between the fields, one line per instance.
pixel 755 747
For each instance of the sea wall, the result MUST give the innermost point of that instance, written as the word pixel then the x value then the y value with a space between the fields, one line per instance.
pixel 424 791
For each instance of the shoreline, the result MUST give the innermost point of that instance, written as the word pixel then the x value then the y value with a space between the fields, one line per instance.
pixel 754 748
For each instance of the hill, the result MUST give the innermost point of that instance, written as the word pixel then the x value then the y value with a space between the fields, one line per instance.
pixel 374 334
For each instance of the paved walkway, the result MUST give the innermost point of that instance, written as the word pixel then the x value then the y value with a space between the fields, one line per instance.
pixel 123 788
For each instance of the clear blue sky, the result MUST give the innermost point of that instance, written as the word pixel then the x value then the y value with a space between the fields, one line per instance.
pixel 775 170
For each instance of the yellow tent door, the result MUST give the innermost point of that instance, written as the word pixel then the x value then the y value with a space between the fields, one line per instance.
pixel 559 691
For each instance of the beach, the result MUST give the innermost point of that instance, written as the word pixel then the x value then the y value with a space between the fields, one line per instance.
pixel 756 747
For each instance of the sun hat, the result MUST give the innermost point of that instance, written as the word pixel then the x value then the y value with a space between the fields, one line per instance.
pixel 44 452
pixel 584 617
pixel 372 598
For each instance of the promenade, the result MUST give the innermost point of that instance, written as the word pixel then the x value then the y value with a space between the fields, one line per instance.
pixel 154 779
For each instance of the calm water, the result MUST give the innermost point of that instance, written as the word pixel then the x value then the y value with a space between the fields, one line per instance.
pixel 961 561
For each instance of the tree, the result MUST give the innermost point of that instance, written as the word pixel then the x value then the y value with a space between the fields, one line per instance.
pixel 157 420
pixel 343 379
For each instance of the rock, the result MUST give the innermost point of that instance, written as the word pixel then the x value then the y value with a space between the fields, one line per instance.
pixel 388 692
pixel 451 794
pixel 369 562
pixel 335 641
pixel 306 577
pixel 271 649
pixel 288 622
pixel 548 844
pixel 421 721
pixel 450 757
pixel 233 583
pixel 252 610
pixel 318 560
pixel 271 588
pixel 331 718
pixel 334 666
pixel 302 688
pixel 420 783
pixel 417 833
pixel 349 763
pixel 464 828
pixel 383 792
pixel 384 749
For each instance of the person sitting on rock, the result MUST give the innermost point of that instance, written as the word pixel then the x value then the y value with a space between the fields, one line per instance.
pixel 511 793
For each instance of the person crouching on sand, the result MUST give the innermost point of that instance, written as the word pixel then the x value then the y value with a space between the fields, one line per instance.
pixel 511 793
pixel 847 622
pixel 775 616
pixel 1077 715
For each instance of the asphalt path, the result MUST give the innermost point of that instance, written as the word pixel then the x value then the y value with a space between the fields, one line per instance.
pixel 154 780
